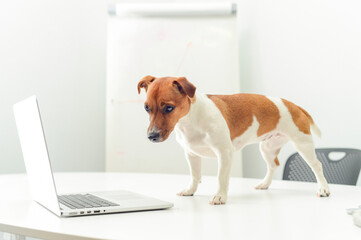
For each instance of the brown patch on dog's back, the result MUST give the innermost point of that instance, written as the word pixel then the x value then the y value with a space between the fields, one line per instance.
pixel 299 116
pixel 238 111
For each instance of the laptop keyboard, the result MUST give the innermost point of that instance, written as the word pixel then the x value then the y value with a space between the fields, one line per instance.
pixel 75 201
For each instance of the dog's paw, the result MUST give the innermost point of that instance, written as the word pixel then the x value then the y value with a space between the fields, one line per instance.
pixel 323 192
pixel 186 192
pixel 218 199
pixel 262 186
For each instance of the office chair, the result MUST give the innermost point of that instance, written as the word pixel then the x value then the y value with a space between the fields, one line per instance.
pixel 339 171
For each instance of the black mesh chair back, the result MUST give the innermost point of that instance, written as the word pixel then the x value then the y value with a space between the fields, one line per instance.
pixel 344 170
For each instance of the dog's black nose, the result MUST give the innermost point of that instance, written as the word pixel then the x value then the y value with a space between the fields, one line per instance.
pixel 153 136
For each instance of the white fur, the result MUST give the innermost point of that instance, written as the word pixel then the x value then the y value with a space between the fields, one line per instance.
pixel 203 133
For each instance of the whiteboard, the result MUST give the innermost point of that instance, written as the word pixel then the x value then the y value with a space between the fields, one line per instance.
pixel 204 49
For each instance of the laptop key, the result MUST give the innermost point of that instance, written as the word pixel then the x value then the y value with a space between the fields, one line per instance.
pixel 71 202
pixel 84 201
pixel 80 202
pixel 62 201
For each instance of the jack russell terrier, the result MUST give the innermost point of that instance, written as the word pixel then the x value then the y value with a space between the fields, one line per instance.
pixel 209 126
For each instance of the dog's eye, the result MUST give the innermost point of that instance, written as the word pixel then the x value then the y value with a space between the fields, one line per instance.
pixel 168 109
pixel 146 107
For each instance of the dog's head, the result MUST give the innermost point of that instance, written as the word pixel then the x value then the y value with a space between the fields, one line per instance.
pixel 168 100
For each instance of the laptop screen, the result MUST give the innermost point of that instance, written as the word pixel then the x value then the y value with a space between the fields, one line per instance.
pixel 35 153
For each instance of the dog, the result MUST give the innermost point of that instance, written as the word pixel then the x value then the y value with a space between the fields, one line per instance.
pixel 214 126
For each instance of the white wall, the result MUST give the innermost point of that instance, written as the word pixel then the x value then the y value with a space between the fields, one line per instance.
pixel 308 52
pixel 305 51
pixel 56 50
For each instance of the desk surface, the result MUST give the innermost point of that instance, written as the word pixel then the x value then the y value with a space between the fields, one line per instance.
pixel 288 210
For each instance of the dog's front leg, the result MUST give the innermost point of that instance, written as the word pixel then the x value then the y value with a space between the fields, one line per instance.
pixel 194 163
pixel 224 170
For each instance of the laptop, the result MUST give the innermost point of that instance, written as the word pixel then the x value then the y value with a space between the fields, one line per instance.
pixel 41 180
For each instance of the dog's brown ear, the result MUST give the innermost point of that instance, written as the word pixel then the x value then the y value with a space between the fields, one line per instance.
pixel 145 82
pixel 184 86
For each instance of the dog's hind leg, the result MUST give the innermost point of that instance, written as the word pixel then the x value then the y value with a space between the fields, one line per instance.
pixel 269 149
pixel 305 147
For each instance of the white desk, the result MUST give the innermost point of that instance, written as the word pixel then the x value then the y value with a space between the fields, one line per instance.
pixel 288 210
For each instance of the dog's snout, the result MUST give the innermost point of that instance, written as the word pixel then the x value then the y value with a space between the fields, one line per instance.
pixel 154 136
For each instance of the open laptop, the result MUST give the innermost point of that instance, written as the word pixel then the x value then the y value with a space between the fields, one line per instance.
pixel 41 180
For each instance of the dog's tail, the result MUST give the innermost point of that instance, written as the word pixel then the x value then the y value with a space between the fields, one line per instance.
pixel 315 129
